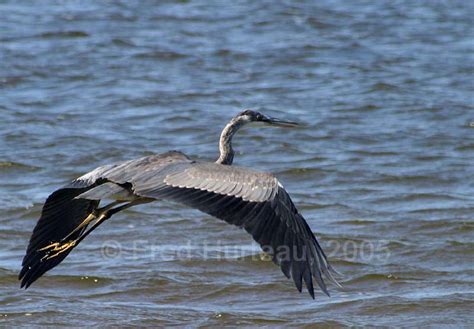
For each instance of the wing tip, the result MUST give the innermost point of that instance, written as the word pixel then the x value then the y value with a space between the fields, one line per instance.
pixel 311 293
pixel 330 272
pixel 27 276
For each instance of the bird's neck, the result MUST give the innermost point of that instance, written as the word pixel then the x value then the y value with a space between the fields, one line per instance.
pixel 225 143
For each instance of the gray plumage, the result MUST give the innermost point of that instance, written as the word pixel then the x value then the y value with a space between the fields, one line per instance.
pixel 249 199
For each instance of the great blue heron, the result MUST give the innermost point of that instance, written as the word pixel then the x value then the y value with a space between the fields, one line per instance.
pixel 249 199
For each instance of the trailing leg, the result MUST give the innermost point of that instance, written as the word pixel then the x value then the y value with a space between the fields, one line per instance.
pixel 97 217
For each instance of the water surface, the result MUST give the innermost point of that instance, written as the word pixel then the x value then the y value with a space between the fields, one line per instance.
pixel 382 170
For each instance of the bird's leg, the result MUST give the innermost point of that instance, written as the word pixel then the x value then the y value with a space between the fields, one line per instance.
pixel 99 215
pixel 55 246
pixel 93 215
pixel 103 216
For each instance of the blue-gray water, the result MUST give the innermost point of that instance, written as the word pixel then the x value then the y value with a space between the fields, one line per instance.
pixel 383 169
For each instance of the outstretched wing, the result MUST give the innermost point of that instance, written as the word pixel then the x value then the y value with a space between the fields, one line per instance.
pixel 252 200
pixel 63 212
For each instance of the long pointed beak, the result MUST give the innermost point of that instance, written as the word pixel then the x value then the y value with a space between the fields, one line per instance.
pixel 280 123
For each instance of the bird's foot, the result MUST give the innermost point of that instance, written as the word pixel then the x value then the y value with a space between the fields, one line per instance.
pixel 57 247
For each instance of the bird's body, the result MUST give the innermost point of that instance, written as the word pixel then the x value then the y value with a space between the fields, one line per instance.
pixel 243 197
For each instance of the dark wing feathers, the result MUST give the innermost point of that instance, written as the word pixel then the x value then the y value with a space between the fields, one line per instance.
pixel 60 215
pixel 252 200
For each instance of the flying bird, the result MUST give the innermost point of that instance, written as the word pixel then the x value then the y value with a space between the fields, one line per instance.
pixel 252 200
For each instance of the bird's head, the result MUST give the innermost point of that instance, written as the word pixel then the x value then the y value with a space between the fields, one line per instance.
pixel 243 118
pixel 249 116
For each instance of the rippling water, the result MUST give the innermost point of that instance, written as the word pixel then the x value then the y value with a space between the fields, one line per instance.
pixel 383 169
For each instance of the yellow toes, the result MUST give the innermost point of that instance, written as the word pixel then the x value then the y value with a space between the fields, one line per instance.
pixel 60 248
pixel 52 245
